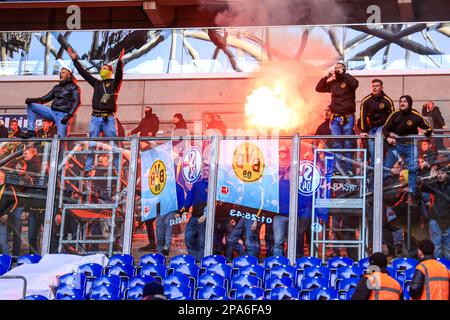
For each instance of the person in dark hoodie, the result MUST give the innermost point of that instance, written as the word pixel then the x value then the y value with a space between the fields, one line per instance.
pixel 433 112
pixel 104 102
pixel 431 279
pixel 439 215
pixel 179 121
pixel 342 87
pixel 65 97
pixel 403 122
pixel 14 130
pixel 3 130
pixel 8 203
pixel 149 126
pixel 378 284
pixel 213 122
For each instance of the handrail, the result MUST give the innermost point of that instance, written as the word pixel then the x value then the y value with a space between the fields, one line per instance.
pixel 24 291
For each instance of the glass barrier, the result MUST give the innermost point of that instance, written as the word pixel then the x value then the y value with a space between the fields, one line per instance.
pixel 233 50
pixel 24 166
pixel 90 196
pixel 171 196
pixel 416 195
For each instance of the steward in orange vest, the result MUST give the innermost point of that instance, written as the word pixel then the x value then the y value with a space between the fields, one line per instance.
pixel 431 279
pixel 378 285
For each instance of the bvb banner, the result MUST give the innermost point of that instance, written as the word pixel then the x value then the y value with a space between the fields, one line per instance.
pixel 158 194
pixel 248 174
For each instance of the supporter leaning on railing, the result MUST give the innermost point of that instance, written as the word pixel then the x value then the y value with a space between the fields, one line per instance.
pixel 8 203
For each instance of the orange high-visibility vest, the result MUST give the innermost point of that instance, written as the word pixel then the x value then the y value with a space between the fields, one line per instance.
pixel 383 287
pixel 437 277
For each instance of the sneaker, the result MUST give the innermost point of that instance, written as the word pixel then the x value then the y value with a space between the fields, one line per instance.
pixel 147 248
pixel 165 251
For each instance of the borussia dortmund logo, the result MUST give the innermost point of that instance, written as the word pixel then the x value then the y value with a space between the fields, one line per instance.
pixel 157 177
pixel 409 123
pixel 381 105
pixel 248 162
pixel 343 85
pixel 107 85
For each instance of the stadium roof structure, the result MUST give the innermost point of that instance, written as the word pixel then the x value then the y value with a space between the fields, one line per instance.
pixel 133 14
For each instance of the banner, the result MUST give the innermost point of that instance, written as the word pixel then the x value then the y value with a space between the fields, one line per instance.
pixel 158 191
pixel 248 174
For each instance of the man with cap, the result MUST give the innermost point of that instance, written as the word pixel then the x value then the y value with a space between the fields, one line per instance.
pixel 153 291
pixel 378 284
pixel 342 87
pixel 65 97
pixel 403 122
pixel 104 102
pixel 431 279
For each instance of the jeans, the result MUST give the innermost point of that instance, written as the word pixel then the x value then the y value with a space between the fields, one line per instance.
pixel 109 129
pixel 34 109
pixel 338 127
pixel 233 240
pixel 195 238
pixel 164 232
pixel 441 242
pixel 410 154
pixel 4 246
pixel 303 227
pixel 15 223
pixel 280 230
pixel 252 241
pixel 35 221
pixel 371 143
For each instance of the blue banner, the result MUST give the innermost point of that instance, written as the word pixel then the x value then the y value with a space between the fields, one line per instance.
pixel 248 174
pixel 158 185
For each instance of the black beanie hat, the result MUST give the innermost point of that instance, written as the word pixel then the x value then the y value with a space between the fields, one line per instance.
pixel 379 259
pixel 409 99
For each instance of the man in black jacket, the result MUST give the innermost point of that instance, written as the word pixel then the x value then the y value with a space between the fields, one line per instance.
pixel 3 130
pixel 14 129
pixel 66 96
pixel 439 187
pixel 430 110
pixel 104 102
pixel 148 126
pixel 375 109
pixel 403 122
pixel 342 87
pixel 8 203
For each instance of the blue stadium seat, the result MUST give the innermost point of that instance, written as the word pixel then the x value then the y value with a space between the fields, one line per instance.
pixel 284 293
pixel 283 271
pixel 69 290
pixel 212 259
pixel 445 262
pixel 306 262
pixel 274 261
pixel 152 258
pixel 28 259
pixel 349 294
pixel 400 265
pixel 405 289
pixel 243 261
pixel 253 270
pixel 391 271
pixel 244 280
pixel 76 279
pixel 221 269
pixel 274 282
pixel 108 291
pixel 35 297
pixel 73 297
pixel 122 270
pixel 337 262
pixel 6 261
pixel 347 273
pixel 110 279
pixel 181 259
pixel 364 263
pixel 323 294
pixel 211 279
pixel 91 270
pixel 141 280
pixel 345 286
pixel 210 292
pixel 310 283
pixel 134 293
pixel 249 293
pixel 3 269
pixel 177 292
pixel 191 270
pixel 407 276
pixel 177 279
pixel 157 271
pixel 121 259
pixel 311 272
